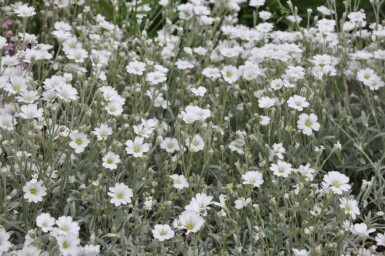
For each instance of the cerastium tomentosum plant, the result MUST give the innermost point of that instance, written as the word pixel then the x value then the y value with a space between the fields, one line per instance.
pixel 166 127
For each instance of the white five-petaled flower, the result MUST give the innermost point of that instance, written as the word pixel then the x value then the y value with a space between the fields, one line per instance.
pixel 191 221
pixel 253 178
pixel 24 11
pixel 298 252
pixel 170 145
pixel 4 243
pixel 200 203
pixel 180 181
pixel 242 202
pixel 137 147
pixel 136 67
pixel 30 111
pixel 361 230
pixel 79 141
pixel 266 102
pixel 336 182
pixel 380 239
pixel 350 206
pixel 281 169
pixel 230 74
pixel 297 102
pixel 111 160
pixel 66 225
pixel 120 194
pixel 102 132
pixel 308 123
pixel 34 191
pixel 196 143
pixel 45 222
pixel 68 244
pixel 163 232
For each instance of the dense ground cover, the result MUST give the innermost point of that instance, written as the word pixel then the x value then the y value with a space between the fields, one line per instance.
pixel 166 127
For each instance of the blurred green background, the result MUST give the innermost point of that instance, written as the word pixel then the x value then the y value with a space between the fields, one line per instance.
pixel 280 8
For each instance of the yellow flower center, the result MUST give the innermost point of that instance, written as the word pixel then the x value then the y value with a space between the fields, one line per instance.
pixel 336 184
pixel 137 149
pixel 307 123
pixel 33 191
pixel 65 245
pixel 78 141
pixel 189 226
pixel 119 195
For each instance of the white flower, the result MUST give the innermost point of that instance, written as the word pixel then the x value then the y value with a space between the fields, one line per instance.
pixel 200 91
pixel 361 230
pixel 211 73
pixel 78 55
pixel 79 141
pixel 264 120
pixel 297 102
pixel 3 42
pixel 230 74
pixel 336 182
pixel 277 150
pixel 156 77
pixel 30 111
pixel 242 202
pixel 237 146
pixel 191 221
pixel 45 222
pixel 257 3
pixel 68 244
pixel 350 206
pixel 276 84
pixel 170 145
pixel 163 232
pixel 16 84
pixel 298 252
pixel 136 68
pixel 34 191
pixel 306 172
pixel 308 123
pixel 111 160
pixel 365 75
pixel 24 11
pixel 4 243
pixel 281 169
pixel 196 144
pixel 66 225
pixel 114 108
pixel 163 2
pixel 183 64
pixel 102 132
pixel 120 194
pixel 380 239
pixel 137 147
pixel 265 15
pixel 90 250
pixel 254 178
pixel 194 113
pixel 7 122
pixel 266 102
pixel 66 92
pixel 200 203
pixel 180 181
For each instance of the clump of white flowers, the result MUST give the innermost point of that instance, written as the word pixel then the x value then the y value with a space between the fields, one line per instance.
pixel 169 127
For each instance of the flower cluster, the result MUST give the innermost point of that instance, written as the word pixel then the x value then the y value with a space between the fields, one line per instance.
pixel 168 127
